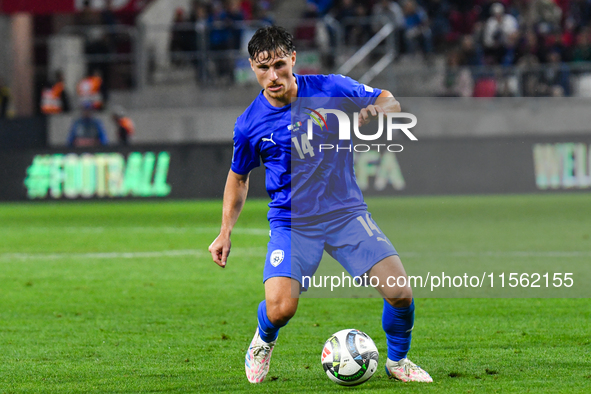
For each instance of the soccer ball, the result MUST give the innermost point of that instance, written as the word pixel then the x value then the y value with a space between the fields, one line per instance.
pixel 349 357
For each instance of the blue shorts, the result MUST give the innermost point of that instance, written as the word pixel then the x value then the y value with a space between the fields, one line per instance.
pixel 353 239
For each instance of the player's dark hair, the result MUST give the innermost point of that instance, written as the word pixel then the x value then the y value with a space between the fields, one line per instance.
pixel 274 40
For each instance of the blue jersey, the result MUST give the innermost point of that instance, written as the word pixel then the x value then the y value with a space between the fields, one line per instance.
pixel 322 182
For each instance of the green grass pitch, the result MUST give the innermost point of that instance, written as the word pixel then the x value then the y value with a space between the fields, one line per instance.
pixel 124 298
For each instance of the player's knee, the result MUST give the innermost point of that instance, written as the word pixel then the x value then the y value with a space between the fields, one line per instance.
pixel 281 311
pixel 402 299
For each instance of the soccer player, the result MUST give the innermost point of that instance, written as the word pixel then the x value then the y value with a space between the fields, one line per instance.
pixel 329 219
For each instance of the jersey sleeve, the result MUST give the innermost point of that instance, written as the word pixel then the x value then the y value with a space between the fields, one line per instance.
pixel 245 156
pixel 362 94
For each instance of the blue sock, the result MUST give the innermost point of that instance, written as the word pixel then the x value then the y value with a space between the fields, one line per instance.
pixel 398 324
pixel 267 330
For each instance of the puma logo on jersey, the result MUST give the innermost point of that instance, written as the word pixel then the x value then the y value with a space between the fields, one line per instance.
pixel 383 239
pixel 269 139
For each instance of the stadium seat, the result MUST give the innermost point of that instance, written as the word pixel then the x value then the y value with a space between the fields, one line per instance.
pixel 485 87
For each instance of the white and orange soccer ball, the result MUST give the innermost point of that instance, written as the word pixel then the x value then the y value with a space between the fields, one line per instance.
pixel 349 357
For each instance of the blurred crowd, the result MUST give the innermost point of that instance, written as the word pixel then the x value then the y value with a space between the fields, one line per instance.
pixel 540 35
pixel 214 26
pixel 220 18
pixel 486 32
pixel 536 34
pixel 106 35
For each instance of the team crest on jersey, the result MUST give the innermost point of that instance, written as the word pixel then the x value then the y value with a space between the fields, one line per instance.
pixel 277 257
pixel 294 127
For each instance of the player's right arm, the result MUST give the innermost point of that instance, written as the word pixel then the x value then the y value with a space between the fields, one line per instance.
pixel 234 197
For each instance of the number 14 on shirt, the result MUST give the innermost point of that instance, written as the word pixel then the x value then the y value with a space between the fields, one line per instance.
pixel 304 147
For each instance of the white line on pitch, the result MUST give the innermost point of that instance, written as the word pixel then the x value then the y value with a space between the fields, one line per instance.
pixel 253 251
pixel 138 229
pixel 128 255
pixel 524 253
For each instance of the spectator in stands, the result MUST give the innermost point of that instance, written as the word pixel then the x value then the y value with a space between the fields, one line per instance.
pixel 101 37
pixel 345 12
pixel 569 32
pixel 580 11
pixel 345 9
pixel 519 9
pixel 582 49
pixel 362 12
pixel 124 125
pixel 496 32
pixel 246 7
pixel 438 12
pixel 470 54
pixel 109 21
pixel 418 32
pixel 261 12
pixel 196 41
pixel 553 43
pixel 485 9
pixel 529 55
pixel 266 4
pixel 4 99
pixel 529 51
pixel 87 131
pixel 531 85
pixel 108 17
pixel 306 32
pixel 510 50
pixel 98 43
pixel 393 12
pixel 225 35
pixel 181 38
pixel 544 16
pixel 463 17
pixel 221 29
pixel 54 97
pixel 555 79
pixel 458 81
pixel 199 15
pixel 356 33
pixel 88 16
pixel 91 91
pixel 530 77
pixel 319 7
pixel 233 9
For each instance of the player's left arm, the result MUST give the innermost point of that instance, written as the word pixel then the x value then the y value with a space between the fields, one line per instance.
pixel 385 103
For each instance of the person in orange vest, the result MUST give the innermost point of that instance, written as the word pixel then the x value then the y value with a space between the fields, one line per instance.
pixel 124 124
pixel 90 91
pixel 54 98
